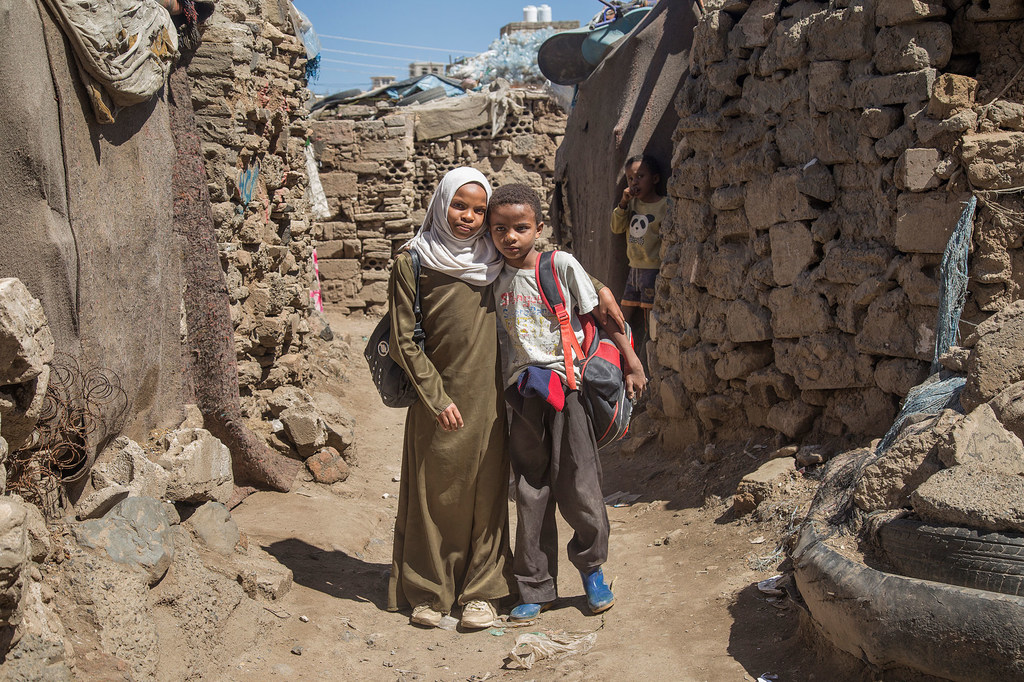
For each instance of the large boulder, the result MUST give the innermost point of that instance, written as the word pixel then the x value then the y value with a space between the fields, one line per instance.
pixel 970 496
pixel 199 466
pixel 124 463
pixel 996 349
pixel 213 525
pixel 981 440
pixel 135 533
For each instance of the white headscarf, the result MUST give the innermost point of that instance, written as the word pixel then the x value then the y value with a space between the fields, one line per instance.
pixel 474 259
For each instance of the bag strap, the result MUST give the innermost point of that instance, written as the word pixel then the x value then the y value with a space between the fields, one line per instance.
pixel 554 300
pixel 417 333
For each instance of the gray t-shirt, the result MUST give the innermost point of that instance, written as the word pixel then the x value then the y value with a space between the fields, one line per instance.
pixel 528 332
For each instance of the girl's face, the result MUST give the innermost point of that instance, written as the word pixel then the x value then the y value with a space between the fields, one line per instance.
pixel 467 210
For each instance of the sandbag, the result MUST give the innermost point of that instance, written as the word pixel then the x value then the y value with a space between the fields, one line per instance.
pixel 123 48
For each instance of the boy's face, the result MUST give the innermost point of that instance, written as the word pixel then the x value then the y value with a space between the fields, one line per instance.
pixel 642 182
pixel 514 230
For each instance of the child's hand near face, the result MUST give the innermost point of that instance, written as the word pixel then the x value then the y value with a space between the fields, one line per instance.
pixel 624 201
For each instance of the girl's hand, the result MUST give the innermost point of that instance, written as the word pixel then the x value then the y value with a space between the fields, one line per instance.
pixel 450 418
pixel 624 201
pixel 608 310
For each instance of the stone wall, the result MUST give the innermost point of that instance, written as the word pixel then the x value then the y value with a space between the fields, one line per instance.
pixel 248 89
pixel 823 156
pixel 379 173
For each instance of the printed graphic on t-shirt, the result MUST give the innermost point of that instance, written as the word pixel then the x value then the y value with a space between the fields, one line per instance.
pixel 526 321
pixel 638 225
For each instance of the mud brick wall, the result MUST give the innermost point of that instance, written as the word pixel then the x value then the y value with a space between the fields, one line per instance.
pixel 248 89
pixel 379 179
pixel 823 156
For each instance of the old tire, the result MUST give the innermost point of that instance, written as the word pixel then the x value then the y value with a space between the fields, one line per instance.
pixel 893 621
pixel 956 556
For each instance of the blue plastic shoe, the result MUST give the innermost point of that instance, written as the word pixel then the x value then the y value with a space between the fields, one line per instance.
pixel 599 597
pixel 524 612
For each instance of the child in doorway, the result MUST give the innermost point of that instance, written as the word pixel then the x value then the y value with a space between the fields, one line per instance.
pixel 639 214
pixel 553 450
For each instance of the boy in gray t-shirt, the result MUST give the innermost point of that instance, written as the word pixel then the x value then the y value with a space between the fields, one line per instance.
pixel 551 441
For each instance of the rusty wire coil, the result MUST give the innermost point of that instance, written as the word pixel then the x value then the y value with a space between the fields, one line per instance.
pixel 76 405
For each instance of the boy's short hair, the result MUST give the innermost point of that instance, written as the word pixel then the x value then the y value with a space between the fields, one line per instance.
pixel 516 194
pixel 647 160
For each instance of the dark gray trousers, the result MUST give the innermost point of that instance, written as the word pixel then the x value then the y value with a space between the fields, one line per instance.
pixel 554 459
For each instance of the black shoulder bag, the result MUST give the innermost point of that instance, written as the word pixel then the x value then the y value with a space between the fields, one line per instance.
pixel 393 384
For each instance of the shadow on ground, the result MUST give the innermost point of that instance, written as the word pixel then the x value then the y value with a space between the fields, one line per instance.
pixel 333 572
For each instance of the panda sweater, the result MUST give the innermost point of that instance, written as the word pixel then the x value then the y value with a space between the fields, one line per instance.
pixel 642 224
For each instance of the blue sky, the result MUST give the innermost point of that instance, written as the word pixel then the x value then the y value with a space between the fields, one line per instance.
pixel 452 27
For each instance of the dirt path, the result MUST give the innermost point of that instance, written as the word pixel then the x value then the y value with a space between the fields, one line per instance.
pixel 687 609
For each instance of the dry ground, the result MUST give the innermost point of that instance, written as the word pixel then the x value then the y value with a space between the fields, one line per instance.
pixel 688 609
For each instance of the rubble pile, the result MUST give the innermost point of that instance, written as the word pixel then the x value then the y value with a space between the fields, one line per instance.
pixel 823 157
pixel 963 469
pixel 380 165
pixel 248 90
pixel 148 566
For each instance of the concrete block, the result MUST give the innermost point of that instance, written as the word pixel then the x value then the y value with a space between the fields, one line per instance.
pixel 900 88
pixel 199 466
pixel 916 169
pixel 335 269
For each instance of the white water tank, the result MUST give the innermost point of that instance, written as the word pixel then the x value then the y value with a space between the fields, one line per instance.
pixel 544 13
pixel 530 14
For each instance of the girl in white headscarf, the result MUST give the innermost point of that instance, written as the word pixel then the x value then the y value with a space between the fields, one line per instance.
pixel 451 533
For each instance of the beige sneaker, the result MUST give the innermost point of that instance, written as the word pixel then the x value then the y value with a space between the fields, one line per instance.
pixel 478 614
pixel 425 615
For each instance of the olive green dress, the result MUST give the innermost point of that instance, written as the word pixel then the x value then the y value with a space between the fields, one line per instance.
pixel 451 533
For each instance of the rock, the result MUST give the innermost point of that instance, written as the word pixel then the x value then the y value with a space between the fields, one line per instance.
pixel 888 482
pixel 796 313
pixel 994 361
pixel 39 541
pixel 193 418
pixel 99 502
pixel 916 169
pixel 913 47
pixel 26 344
pixel 924 222
pixel 199 467
pixel 1008 406
pixel 950 94
pixel 893 12
pixel 992 159
pixel 35 657
pixel 327 466
pixel 809 455
pixel 793 250
pixel 262 577
pixel 15 551
pixel 305 428
pixel 119 600
pixel 213 525
pixel 785 451
pixel 41 622
pixel 135 533
pixel 972 497
pixel 21 406
pixel 124 463
pixel 760 485
pixel 981 440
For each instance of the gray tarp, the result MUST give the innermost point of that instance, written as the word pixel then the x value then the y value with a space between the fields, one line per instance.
pixel 86 219
pixel 624 108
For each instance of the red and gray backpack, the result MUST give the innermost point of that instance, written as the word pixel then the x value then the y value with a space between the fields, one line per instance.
pixel 598 363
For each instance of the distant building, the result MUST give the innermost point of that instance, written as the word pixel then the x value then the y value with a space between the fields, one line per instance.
pixel 426 68
pixel 537 25
pixel 380 81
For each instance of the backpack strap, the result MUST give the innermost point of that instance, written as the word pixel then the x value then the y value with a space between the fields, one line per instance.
pixel 417 333
pixel 554 300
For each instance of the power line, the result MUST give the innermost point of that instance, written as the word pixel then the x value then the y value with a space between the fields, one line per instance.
pixel 364 54
pixel 342 61
pixel 411 47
